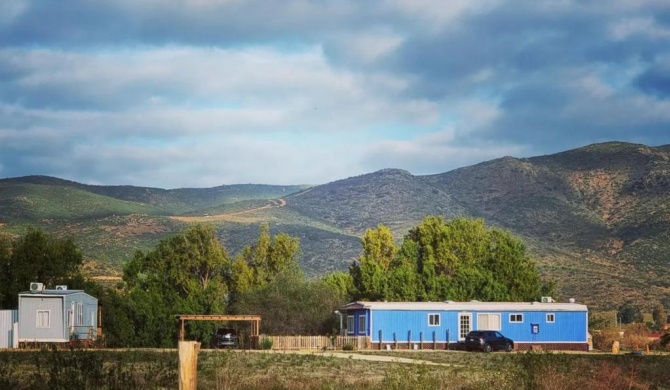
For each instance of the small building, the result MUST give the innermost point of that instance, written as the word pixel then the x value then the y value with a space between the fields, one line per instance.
pixel 9 328
pixel 57 315
pixel 411 325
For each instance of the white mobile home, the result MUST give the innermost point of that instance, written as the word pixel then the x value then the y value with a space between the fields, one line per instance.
pixel 57 315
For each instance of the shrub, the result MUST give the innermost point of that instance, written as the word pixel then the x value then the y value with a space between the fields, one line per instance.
pixel 348 347
pixel 266 343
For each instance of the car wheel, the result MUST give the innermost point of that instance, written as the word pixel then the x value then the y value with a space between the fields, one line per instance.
pixel 487 348
pixel 508 347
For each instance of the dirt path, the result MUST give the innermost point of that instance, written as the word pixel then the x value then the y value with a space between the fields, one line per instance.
pixel 236 216
pixel 359 356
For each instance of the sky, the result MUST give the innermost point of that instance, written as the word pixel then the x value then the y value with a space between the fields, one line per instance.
pixel 201 93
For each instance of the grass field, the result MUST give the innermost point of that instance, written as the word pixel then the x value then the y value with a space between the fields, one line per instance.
pixel 151 369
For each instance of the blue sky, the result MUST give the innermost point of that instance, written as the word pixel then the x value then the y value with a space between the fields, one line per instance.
pixel 199 93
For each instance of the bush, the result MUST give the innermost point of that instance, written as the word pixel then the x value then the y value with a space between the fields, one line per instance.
pixel 266 343
pixel 348 347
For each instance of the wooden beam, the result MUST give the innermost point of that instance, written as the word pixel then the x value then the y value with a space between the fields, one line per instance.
pixel 217 317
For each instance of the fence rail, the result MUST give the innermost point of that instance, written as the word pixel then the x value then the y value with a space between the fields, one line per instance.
pixel 318 342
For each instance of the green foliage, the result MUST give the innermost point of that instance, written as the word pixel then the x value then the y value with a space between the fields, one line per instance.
pixel 266 343
pixel 599 322
pixel 459 260
pixel 292 305
pixel 259 264
pixel 184 274
pixel 342 282
pixel 629 313
pixel 659 315
pixel 37 257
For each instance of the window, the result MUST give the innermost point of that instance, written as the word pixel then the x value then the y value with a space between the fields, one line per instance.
pixel 350 324
pixel 489 321
pixel 464 327
pixel 361 324
pixel 80 314
pixel 43 320
pixel 433 319
pixel 516 318
pixel 551 318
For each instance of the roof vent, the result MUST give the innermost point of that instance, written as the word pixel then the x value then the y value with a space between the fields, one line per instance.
pixel 547 300
pixel 62 287
pixel 571 300
pixel 36 287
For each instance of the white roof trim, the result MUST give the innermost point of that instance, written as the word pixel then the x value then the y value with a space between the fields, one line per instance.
pixel 467 306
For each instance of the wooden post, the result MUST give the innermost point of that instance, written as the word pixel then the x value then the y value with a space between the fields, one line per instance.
pixel 188 365
pixel 409 339
pixel 420 340
pixel 434 341
pixel 395 340
pixel 380 339
pixel 447 346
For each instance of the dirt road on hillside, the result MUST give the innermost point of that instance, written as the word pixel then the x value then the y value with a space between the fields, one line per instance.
pixel 237 216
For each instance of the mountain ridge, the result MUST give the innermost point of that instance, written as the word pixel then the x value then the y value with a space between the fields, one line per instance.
pixel 596 218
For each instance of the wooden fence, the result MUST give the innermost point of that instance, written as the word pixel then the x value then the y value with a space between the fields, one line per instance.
pixel 318 342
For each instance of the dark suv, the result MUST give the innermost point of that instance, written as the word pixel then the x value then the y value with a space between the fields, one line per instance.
pixel 225 338
pixel 487 341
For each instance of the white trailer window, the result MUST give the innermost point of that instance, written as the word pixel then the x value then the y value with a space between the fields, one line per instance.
pixel 43 318
pixel 488 321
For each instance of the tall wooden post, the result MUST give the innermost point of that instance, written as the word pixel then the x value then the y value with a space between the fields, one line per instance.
pixel 188 365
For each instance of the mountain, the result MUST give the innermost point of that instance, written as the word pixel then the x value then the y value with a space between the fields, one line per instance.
pixel 596 218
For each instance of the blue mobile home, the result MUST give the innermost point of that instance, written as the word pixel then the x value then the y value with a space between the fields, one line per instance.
pixel 57 315
pixel 547 325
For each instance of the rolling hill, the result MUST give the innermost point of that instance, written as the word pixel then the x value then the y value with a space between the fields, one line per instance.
pixel 596 218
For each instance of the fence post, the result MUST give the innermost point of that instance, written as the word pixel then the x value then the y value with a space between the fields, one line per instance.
pixel 434 341
pixel 409 339
pixel 380 339
pixel 188 365
pixel 447 339
pixel 395 340
pixel 420 340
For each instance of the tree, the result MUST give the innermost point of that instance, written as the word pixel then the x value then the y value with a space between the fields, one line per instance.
pixel 37 257
pixel 660 316
pixel 629 313
pixel 459 260
pixel 371 274
pixel 185 274
pixel 259 264
pixel 293 305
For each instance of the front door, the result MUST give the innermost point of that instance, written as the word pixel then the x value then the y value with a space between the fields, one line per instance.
pixel 464 325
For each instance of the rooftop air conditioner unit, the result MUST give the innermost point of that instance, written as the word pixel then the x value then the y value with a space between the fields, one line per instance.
pixel 35 287
pixel 547 300
pixel 61 287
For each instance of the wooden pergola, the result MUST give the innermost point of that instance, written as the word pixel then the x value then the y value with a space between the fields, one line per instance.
pixel 255 321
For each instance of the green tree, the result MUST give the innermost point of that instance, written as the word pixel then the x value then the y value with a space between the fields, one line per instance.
pixel 371 274
pixel 185 274
pixel 629 313
pixel 292 305
pixel 460 259
pixel 258 264
pixel 660 316
pixel 37 257
pixel 341 282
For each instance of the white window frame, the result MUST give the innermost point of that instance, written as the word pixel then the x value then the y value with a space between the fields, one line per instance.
pixel 479 322
pixel 350 324
pixel 40 324
pixel 362 324
pixel 515 321
pixel 462 332
pixel 434 319
pixel 80 314
pixel 553 318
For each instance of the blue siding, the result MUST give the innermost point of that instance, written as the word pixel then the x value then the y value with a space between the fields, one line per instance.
pixel 407 325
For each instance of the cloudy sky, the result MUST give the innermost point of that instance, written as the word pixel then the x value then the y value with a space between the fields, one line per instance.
pixel 199 93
